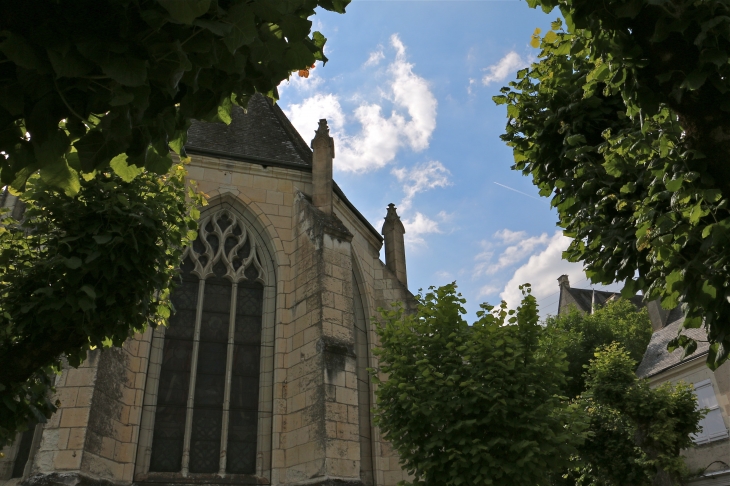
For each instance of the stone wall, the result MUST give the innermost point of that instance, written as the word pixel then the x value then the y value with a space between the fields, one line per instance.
pixel 315 432
pixel 94 433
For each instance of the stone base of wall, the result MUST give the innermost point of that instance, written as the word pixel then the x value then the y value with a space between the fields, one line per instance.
pixel 336 482
pixel 65 479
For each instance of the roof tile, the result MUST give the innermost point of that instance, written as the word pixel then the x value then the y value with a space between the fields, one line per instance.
pixel 261 132
pixel 657 358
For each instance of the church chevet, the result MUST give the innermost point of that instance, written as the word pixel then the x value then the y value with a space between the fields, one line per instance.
pixel 261 377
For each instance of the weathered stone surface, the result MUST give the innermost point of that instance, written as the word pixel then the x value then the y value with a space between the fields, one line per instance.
pixel 65 479
pixel 316 429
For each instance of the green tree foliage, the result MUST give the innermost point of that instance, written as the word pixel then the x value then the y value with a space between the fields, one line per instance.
pixel 618 321
pixel 625 120
pixel 637 432
pixel 86 82
pixel 474 405
pixel 83 272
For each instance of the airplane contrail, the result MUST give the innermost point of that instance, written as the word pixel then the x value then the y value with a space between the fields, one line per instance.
pixel 523 193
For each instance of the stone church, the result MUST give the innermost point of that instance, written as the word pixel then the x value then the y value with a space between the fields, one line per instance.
pixel 261 376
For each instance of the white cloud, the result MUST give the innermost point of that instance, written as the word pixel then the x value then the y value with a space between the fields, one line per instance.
pixel 488 290
pixel 515 253
pixel 305 115
pixel 483 259
pixel 508 236
pixel 417 227
pixel 375 57
pixel 420 178
pixel 542 271
pixel 519 248
pixel 412 93
pixel 469 88
pixel 410 123
pixel 510 63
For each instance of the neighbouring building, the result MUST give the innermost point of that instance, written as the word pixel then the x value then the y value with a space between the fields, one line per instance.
pixel 261 377
pixel 709 459
pixel 586 300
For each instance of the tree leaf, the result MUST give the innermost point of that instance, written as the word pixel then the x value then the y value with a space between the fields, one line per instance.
pixel 243 29
pixel 675 184
pixel 69 64
pixel 73 262
pixel 295 27
pixel 60 175
pixel 185 11
pixel 20 52
pixel 694 80
pixel 126 70
pixel 157 163
pixel 709 290
pixel 125 171
pixel 88 290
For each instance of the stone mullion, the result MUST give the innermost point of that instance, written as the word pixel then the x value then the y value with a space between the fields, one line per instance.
pixel 229 374
pixel 193 376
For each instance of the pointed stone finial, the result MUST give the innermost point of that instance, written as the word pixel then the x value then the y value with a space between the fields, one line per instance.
pixel 395 251
pixel 563 281
pixel 323 151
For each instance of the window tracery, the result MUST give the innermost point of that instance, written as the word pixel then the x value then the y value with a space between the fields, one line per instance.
pixel 206 415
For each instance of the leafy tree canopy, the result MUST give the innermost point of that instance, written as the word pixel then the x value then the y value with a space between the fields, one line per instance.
pixel 618 321
pixel 482 404
pixel 625 120
pixel 473 404
pixel 86 83
pixel 83 272
pixel 636 432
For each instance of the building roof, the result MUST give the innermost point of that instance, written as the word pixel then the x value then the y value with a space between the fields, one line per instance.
pixel 260 134
pixel 657 358
pixel 584 298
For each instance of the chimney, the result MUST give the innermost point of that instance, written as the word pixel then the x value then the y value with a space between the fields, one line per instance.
pixel 563 283
pixel 593 301
pixel 323 148
pixel 657 314
pixel 395 251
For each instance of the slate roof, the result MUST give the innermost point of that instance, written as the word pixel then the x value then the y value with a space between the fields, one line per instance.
pixel 584 297
pixel 657 358
pixel 262 133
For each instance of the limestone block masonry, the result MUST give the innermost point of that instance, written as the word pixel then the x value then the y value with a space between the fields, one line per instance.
pixel 314 396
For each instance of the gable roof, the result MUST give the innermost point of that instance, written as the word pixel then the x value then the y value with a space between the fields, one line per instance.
pixel 657 358
pixel 584 298
pixel 260 134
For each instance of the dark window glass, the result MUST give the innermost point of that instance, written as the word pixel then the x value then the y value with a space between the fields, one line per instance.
pixel 363 387
pixel 205 440
pixel 172 395
pixel 26 441
pixel 242 425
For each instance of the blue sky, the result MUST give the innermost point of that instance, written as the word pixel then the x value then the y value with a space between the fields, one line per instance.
pixel 407 94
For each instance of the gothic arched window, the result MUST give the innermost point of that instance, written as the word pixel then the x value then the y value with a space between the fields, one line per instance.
pixel 205 417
